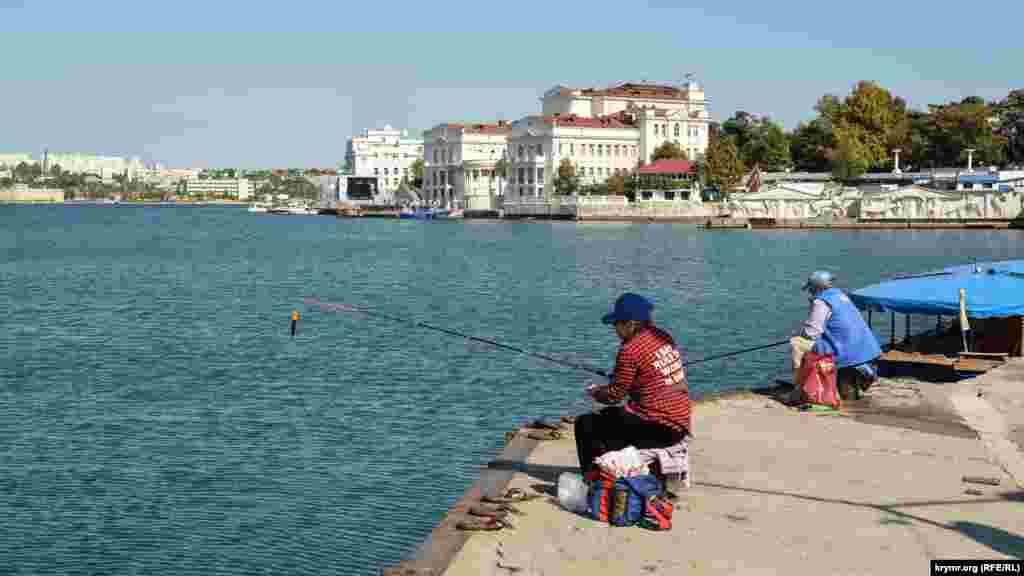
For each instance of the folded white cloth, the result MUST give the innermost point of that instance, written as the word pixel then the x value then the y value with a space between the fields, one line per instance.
pixel 674 460
pixel 623 463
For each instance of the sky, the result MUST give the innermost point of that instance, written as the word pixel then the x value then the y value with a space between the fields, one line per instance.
pixel 273 84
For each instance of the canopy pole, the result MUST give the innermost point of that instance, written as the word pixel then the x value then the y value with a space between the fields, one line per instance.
pixel 892 330
pixel 906 331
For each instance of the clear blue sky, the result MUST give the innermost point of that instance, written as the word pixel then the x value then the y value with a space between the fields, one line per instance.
pixel 285 83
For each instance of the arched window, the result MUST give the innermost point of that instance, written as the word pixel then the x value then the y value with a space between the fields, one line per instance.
pixel 676 130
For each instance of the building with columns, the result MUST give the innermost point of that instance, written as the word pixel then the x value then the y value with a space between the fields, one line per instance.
pixel 387 154
pixel 597 148
pixel 459 162
pixel 661 113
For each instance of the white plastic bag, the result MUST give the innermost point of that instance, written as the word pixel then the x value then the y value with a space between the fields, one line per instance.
pixel 572 492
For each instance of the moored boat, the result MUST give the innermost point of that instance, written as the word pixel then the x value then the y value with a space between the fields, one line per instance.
pixel 984 305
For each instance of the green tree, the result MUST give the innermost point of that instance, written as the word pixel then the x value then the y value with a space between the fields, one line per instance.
pixel 616 185
pixel 722 166
pixel 849 159
pixel 1011 124
pixel 809 146
pixel 953 128
pixel 566 182
pixel 668 151
pixel 767 146
pixel 882 119
pixel 739 127
pixel 417 173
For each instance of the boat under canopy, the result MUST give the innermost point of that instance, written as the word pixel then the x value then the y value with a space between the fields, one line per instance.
pixel 994 306
pixel 993 290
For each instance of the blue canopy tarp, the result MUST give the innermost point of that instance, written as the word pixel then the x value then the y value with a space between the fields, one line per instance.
pixel 994 289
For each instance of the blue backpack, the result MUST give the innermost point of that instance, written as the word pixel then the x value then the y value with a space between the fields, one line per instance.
pixel 623 501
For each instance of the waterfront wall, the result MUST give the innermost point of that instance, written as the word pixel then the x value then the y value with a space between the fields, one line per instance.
pixel 23 193
pixel 608 208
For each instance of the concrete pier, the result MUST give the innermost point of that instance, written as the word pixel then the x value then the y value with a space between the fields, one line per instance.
pixel 878 488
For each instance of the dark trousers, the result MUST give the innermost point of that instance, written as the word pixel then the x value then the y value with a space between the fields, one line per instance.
pixel 613 428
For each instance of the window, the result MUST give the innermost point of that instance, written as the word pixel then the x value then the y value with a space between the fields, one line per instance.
pixel 572 152
pixel 376 171
pixel 591 171
pixel 444 154
pixel 385 171
pixel 435 155
pixel 600 149
pixel 522 174
pixel 540 174
pixel 540 191
pixel 616 150
pixel 561 149
pixel 520 151
pixel 675 131
pixel 540 149
pixel 529 151
pixel 591 150
pixel 520 191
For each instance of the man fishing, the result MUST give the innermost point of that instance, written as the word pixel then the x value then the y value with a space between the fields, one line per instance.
pixel 834 326
pixel 649 374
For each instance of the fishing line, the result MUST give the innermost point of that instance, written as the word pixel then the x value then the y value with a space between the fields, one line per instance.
pixel 328 307
pixel 347 308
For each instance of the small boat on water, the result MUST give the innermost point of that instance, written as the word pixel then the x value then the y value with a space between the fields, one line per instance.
pixel 258 208
pixel 423 213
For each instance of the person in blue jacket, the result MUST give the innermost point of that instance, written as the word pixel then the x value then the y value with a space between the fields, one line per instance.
pixel 834 326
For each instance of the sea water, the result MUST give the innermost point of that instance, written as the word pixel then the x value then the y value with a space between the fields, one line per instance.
pixel 156 416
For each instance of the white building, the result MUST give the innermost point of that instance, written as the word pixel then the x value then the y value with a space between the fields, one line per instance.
pixel 597 148
pixel 103 166
pixel 459 165
pixel 662 112
pixel 11 160
pixel 387 154
pixel 166 177
pixel 231 187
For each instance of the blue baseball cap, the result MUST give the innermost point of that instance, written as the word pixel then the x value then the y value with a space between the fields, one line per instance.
pixel 629 306
pixel 820 279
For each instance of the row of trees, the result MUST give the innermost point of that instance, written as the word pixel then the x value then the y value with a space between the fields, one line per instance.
pixel 858 134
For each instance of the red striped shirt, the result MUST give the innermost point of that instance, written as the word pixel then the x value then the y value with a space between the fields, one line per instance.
pixel 649 369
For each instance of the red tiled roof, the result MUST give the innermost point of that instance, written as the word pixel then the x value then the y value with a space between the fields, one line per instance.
pixel 639 91
pixel 618 120
pixel 496 128
pixel 667 167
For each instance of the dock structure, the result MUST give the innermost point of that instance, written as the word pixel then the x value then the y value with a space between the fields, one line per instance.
pixel 911 472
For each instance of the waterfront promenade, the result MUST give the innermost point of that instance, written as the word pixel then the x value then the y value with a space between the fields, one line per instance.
pixel 877 489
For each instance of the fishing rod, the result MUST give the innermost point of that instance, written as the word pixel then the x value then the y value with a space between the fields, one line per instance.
pixel 348 308
pixel 736 353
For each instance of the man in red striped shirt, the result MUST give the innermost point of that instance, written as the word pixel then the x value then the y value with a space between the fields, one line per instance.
pixel 650 376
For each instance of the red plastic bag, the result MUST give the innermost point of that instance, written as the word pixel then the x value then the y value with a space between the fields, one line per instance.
pixel 817 380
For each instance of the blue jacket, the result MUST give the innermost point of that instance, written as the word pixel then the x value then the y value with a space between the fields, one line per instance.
pixel 846 335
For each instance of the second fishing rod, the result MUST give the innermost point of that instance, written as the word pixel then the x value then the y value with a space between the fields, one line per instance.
pixel 560 361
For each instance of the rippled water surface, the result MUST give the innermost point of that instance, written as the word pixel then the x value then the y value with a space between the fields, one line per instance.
pixel 157 418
